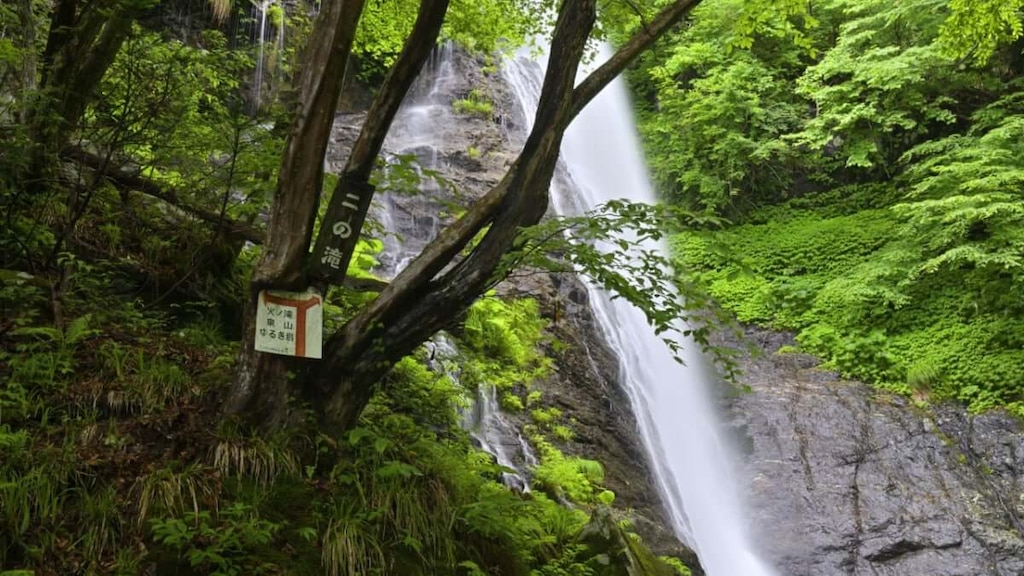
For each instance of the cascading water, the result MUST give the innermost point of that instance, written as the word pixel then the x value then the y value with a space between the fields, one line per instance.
pixel 673 403
pixel 410 222
pixel 263 8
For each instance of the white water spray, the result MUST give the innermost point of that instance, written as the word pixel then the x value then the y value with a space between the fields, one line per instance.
pixel 673 404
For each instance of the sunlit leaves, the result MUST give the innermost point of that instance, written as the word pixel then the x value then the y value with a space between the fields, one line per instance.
pixel 883 84
pixel 977 28
pixel 481 26
pixel 618 247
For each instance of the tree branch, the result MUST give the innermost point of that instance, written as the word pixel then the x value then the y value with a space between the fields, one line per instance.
pixel 624 56
pixel 415 306
pixel 127 180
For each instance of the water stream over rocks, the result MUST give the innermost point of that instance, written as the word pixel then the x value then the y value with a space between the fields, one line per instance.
pixel 691 460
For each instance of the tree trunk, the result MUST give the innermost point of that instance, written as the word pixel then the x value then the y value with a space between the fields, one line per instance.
pixel 371 343
pixel 261 389
pixel 82 44
pixel 353 194
pixel 417 303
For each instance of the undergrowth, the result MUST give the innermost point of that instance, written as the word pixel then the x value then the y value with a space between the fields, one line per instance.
pixel 113 460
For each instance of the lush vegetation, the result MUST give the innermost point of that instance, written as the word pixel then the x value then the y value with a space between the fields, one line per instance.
pixel 113 462
pixel 140 145
pixel 869 157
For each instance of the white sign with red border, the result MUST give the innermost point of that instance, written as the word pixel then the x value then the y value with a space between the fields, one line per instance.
pixel 290 323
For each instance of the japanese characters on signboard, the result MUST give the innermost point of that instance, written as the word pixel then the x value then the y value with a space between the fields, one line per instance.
pixel 290 323
pixel 333 257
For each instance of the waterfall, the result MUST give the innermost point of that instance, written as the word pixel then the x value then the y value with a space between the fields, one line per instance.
pixel 261 39
pixel 262 9
pixel 673 404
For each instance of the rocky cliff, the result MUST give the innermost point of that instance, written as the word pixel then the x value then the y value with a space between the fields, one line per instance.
pixel 846 480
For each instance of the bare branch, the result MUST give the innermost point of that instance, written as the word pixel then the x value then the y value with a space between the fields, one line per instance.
pixel 126 179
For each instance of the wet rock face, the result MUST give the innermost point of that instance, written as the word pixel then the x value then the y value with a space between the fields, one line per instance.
pixel 849 481
pixel 471 153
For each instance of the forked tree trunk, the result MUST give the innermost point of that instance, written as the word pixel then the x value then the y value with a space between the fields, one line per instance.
pixel 419 302
pixel 261 389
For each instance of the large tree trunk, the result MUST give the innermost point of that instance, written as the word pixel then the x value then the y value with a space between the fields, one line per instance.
pixel 261 390
pixel 369 345
pixel 262 376
pixel 418 303
pixel 28 63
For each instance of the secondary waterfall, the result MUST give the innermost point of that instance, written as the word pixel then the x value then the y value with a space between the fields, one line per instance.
pixel 673 404
pixel 410 222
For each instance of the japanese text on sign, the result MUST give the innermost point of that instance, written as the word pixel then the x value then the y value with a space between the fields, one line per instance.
pixel 290 323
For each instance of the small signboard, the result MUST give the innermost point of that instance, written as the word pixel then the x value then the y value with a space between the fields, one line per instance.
pixel 290 323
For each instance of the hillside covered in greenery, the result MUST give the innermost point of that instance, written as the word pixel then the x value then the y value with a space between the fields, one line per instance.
pixel 868 157
pixel 162 163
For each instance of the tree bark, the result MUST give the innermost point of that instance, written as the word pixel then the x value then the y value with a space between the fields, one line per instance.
pixel 82 44
pixel 260 391
pixel 416 304
pixel 367 347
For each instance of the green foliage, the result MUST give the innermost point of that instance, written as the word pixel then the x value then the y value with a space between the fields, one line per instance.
pixel 481 27
pixel 866 294
pixel 511 402
pixel 975 29
pixel 715 140
pixel 474 104
pixel 562 433
pixel 677 565
pixel 883 85
pixel 614 246
pixel 577 479
pixel 221 545
pixel 500 344
pixel 545 417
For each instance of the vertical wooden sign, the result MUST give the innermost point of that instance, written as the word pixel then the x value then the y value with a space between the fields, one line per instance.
pixel 341 227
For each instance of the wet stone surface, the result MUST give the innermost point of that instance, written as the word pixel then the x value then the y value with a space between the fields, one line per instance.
pixel 845 480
